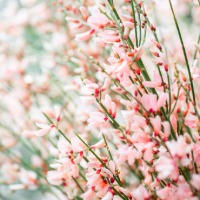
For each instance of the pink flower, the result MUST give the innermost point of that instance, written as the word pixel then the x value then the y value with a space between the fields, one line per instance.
pixel 166 167
pixel 157 83
pixel 98 21
pixel 106 84
pixel 55 177
pixel 92 88
pixel 57 111
pixel 164 193
pixel 97 120
pixel 85 36
pixel 196 181
pixel 28 178
pixel 43 131
pixel 94 179
pixel 84 12
pixel 128 153
pixel 98 145
pixel 108 196
pixel 179 150
pixel 110 105
pixel 151 103
pixel 156 123
pixel 192 121
pixel 109 36
pixel 173 121
pixel 140 193
pixel 67 149
pixel 89 194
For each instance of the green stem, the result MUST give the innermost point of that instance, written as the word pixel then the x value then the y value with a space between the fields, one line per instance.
pixel 184 51
pixel 135 27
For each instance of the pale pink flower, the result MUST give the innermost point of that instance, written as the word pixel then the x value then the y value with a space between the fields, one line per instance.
pixel 91 87
pixel 108 196
pixel 106 84
pixel 191 121
pixel 97 120
pixel 164 193
pixel 183 191
pixel 156 123
pixel 85 36
pixel 77 145
pixel 84 12
pixel 94 179
pixel 166 167
pixel 109 36
pixel 67 149
pixel 89 194
pixel 69 167
pixel 179 150
pixel 173 121
pixel 146 149
pixel 196 181
pixel 140 193
pixel 129 154
pixel 167 129
pixel 112 166
pixel 151 103
pixel 98 145
pixel 64 146
pixel 156 83
pixel 110 105
pixel 98 21
pixel 55 177
pixel 44 129
pixel 57 111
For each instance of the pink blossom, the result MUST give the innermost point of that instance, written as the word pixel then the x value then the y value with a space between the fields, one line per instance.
pixel 109 196
pixel 196 181
pixel 156 83
pixel 156 122
pixel 55 177
pixel 110 105
pixel 84 12
pixel 44 129
pixel 98 145
pixel 89 194
pixel 179 150
pixel 92 88
pixel 166 167
pixel 164 193
pixel 140 193
pixel 151 103
pixel 85 36
pixel 97 120
pixel 98 21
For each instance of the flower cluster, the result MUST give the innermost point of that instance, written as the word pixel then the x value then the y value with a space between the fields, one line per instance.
pixel 113 96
